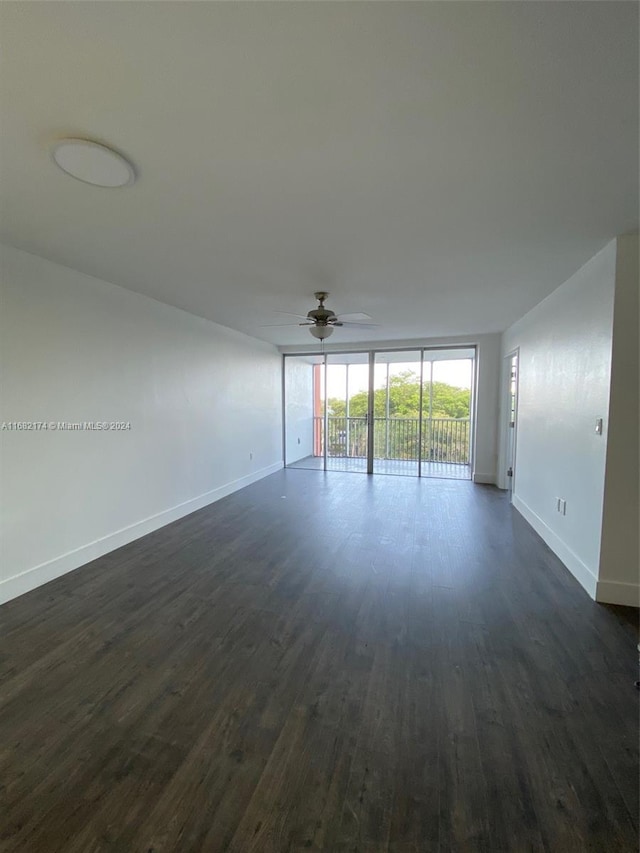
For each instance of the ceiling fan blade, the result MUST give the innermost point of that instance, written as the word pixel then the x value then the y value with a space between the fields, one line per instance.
pixel 289 314
pixel 275 325
pixel 358 325
pixel 357 316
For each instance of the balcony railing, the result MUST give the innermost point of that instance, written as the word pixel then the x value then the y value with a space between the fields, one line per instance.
pixel 443 439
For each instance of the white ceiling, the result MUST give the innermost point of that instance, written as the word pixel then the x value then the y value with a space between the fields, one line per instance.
pixel 440 166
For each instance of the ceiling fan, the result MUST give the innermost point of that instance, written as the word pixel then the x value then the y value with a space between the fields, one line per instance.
pixel 322 321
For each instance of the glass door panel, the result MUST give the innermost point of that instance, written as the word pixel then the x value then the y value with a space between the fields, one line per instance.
pixel 446 413
pixel 396 408
pixel 304 394
pixel 347 412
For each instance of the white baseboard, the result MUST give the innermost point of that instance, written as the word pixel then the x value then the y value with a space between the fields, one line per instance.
pixel 488 479
pixel 581 572
pixel 616 592
pixel 31 578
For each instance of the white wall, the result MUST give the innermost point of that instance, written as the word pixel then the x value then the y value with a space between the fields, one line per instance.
pixel 298 393
pixel 564 371
pixel 487 402
pixel 200 399
pixel 619 558
pixel 485 444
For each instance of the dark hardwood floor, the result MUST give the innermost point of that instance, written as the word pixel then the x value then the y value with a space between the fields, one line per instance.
pixel 322 662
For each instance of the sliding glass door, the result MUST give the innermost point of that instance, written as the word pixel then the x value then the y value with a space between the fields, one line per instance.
pixel 406 412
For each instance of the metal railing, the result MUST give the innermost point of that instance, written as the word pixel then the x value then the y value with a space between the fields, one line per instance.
pixel 443 439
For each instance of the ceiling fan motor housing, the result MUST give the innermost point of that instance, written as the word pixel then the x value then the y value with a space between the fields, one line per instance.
pixel 321 315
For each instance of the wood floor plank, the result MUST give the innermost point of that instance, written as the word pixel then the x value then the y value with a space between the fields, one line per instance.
pixel 326 662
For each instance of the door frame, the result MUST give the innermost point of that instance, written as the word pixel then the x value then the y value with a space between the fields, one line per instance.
pixel 371 420
pixel 510 429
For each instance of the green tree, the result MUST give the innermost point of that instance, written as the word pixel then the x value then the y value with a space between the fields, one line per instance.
pixel 447 401
pixel 442 440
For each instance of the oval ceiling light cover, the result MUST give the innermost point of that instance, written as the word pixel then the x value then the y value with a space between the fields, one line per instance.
pixel 92 163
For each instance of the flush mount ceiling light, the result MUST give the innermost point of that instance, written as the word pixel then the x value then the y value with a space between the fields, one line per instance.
pixel 92 163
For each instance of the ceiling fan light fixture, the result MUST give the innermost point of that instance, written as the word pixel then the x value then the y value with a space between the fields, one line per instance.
pixel 321 332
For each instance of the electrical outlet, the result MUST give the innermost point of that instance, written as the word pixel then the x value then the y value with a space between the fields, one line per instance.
pixel 250 456
pixel 298 441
